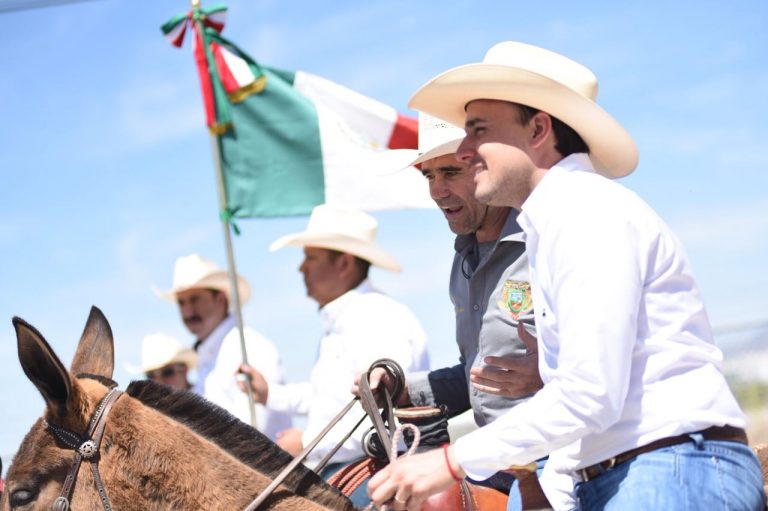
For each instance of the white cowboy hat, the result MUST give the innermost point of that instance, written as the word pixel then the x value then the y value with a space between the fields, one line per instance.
pixel 195 272
pixel 159 350
pixel 436 138
pixel 541 79
pixel 344 229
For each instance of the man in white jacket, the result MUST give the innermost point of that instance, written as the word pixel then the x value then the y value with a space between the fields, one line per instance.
pixel 201 290
pixel 360 325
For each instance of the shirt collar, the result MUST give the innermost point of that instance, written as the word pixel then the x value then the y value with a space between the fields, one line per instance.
pixel 511 231
pixel 332 309
pixel 538 200
pixel 213 341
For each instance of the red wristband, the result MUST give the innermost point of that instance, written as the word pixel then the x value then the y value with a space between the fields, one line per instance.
pixel 448 463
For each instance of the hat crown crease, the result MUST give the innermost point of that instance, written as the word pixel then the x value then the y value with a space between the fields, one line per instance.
pixel 353 226
pixel 546 63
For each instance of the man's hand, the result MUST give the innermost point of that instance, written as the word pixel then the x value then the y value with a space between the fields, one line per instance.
pixel 380 378
pixel 409 481
pixel 259 384
pixel 290 440
pixel 513 377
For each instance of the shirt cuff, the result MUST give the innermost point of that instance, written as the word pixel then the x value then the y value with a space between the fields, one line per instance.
pixel 419 389
pixel 480 454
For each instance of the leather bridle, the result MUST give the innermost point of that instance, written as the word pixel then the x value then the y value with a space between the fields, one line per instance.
pixel 86 448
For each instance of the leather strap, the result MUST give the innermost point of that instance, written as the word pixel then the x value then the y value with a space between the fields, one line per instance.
pixel 99 425
pixel 327 458
pixel 368 401
pixel 531 494
pixel 298 459
pixel 418 413
pixel 722 433
pixel 85 448
pixel 467 498
pixel 384 423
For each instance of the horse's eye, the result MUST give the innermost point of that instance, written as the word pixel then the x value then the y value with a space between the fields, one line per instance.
pixel 22 497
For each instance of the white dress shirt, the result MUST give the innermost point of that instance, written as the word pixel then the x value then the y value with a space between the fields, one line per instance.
pixel 218 358
pixel 359 327
pixel 625 347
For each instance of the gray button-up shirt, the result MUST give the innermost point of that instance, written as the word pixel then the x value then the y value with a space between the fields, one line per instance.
pixel 489 300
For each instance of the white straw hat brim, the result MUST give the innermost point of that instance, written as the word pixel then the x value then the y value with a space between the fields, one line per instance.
pixel 362 249
pixel 218 280
pixel 612 150
pixel 410 157
pixel 185 356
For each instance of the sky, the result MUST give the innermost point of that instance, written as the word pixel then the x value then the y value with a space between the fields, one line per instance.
pixel 107 173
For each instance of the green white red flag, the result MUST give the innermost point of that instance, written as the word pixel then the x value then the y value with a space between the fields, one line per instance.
pixel 292 140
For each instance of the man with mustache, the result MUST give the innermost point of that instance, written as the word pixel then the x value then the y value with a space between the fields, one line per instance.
pixel 201 290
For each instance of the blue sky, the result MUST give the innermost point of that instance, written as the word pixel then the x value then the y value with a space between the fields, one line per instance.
pixel 107 174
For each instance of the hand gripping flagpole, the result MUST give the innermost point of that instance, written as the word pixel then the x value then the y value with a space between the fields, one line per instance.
pixel 226 225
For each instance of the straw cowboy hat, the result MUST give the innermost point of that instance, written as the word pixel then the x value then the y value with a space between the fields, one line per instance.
pixel 541 79
pixel 159 350
pixel 436 138
pixel 343 229
pixel 195 272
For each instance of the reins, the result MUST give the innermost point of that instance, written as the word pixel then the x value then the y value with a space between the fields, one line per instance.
pixel 86 448
pixel 368 402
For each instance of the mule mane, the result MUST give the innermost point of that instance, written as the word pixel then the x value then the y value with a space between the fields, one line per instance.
pixel 107 382
pixel 235 437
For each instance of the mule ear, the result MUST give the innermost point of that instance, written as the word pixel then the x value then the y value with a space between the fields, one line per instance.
pixel 42 366
pixel 96 352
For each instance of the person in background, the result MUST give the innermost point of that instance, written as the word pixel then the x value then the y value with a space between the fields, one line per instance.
pixel 360 325
pixel 165 360
pixel 201 291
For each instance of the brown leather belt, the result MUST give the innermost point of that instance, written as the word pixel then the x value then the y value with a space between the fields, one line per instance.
pixel 721 433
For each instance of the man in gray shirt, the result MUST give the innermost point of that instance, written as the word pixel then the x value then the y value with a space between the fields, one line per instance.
pixel 490 291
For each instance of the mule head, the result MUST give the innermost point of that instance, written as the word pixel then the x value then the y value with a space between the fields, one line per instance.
pixel 40 466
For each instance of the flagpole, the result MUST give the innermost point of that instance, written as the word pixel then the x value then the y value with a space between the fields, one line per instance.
pixel 231 269
pixel 234 291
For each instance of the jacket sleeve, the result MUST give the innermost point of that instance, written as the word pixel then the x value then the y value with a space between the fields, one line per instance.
pixel 441 387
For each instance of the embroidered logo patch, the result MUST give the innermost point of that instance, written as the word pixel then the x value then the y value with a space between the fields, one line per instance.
pixel 516 298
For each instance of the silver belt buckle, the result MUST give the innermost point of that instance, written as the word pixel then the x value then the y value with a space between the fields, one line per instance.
pixel 606 465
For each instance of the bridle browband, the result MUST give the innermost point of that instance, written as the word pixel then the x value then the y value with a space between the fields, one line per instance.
pixel 86 448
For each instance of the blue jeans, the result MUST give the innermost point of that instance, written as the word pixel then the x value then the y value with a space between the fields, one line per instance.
pixel 701 475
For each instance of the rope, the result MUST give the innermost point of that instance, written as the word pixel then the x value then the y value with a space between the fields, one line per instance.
pixel 393 453
pixel 349 478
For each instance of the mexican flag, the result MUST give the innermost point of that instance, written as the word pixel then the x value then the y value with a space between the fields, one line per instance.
pixel 291 140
